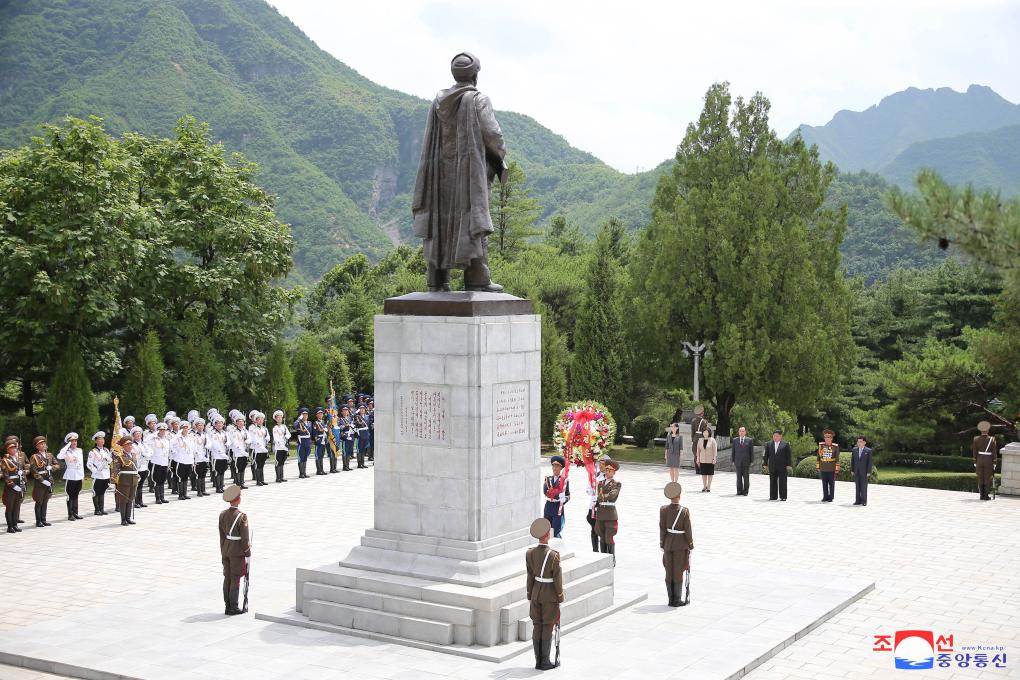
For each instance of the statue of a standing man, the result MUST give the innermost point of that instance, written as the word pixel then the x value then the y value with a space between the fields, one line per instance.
pixel 461 154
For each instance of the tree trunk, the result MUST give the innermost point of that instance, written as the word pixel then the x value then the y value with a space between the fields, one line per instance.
pixel 723 405
pixel 27 398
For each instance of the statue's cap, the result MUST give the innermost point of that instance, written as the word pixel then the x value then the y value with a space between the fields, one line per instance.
pixel 465 66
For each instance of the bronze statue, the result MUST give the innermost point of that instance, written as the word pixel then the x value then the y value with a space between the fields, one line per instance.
pixel 462 152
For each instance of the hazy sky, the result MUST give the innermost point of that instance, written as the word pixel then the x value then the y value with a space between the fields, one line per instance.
pixel 623 79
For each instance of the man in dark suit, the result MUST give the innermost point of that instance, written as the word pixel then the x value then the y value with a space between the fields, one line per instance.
pixel 743 456
pixel 778 458
pixel 861 464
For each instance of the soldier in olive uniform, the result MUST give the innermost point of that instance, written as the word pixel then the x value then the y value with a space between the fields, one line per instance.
pixel 545 592
pixel 984 448
pixel 606 517
pixel 42 465
pixel 676 542
pixel 124 472
pixel 14 484
pixel 828 465
pixel 235 549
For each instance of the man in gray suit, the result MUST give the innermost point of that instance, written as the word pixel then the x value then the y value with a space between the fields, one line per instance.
pixel 861 464
pixel 743 456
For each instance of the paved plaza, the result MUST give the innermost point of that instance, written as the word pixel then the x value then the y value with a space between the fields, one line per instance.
pixel 145 601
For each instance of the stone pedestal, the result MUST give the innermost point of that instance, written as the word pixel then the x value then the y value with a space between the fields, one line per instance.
pixel 457 483
pixel 1010 483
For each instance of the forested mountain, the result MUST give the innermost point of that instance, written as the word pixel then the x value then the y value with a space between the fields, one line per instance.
pixel 871 139
pixel 339 150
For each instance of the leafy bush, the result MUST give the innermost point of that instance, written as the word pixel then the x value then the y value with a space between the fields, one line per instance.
pixel 761 419
pixel 644 428
pixel 926 461
pixel 959 481
pixel 24 427
pixel 806 468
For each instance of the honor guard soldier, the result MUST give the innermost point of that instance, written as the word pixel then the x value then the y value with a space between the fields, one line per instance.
pixel 545 593
pixel 319 437
pixel 235 550
pixel 698 425
pixel 201 470
pixel 74 473
pixel 124 472
pixel 347 433
pixel 361 431
pixel 42 464
pixel 606 518
pixel 281 445
pixel 216 440
pixel 676 542
pixel 183 450
pixel 828 465
pixel 99 465
pixel 304 441
pixel 142 455
pixel 237 438
pixel 556 489
pixel 984 448
pixel 160 448
pixel 14 484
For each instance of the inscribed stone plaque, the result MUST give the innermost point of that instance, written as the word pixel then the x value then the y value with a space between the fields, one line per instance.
pixel 423 415
pixel 510 412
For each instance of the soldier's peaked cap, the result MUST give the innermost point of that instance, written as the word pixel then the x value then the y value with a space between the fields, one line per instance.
pixel 231 493
pixel 672 490
pixel 540 527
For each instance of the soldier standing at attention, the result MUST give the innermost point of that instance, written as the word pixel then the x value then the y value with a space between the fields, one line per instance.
pixel 99 465
pixel 606 518
pixel 676 541
pixel 74 473
pixel 319 437
pixel 828 465
pixel 14 484
pixel 281 445
pixel 556 489
pixel 124 471
pixel 304 441
pixel 42 464
pixel 984 449
pixel 545 592
pixel 235 549
pixel 698 424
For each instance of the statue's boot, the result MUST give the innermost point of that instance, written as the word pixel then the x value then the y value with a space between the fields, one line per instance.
pixel 477 277
pixel 438 279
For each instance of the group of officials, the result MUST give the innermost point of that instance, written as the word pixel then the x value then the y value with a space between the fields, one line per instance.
pixel 183 454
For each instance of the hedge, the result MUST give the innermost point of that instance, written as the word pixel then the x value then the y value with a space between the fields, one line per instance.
pixel 925 461
pixel 25 427
pixel 951 482
pixel 806 468
pixel 644 429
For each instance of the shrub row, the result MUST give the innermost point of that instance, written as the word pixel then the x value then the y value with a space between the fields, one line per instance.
pixel 925 461
pixel 806 468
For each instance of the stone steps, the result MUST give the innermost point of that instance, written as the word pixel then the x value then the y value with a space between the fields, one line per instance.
pixel 573 590
pixel 387 623
pixel 573 610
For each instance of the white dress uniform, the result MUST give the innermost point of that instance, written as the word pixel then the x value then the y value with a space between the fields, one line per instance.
pixel 99 465
pixel 216 443
pixel 74 476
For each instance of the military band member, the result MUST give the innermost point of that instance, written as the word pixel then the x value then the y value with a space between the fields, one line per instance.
pixel 182 449
pixel 319 433
pixel 861 465
pixel 606 518
pixel 42 465
pixel 676 541
pixel 556 489
pixel 281 445
pixel 142 456
pixel 99 465
pixel 127 426
pixel 983 449
pixel 216 441
pixel 304 441
pixel 828 465
pixel 545 592
pixel 237 443
pixel 159 446
pixel 235 549
pixel 347 434
pixel 124 472
pixel 201 448
pixel 14 484
pixel 258 441
pixel 361 431
pixel 777 460
pixel 74 473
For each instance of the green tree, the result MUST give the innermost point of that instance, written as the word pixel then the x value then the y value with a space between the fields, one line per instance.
pixel 196 378
pixel 143 385
pixel 565 237
pixel 70 404
pixel 338 372
pixel 555 360
pixel 514 213
pixel 597 370
pixel 742 254
pixel 277 389
pixel 309 366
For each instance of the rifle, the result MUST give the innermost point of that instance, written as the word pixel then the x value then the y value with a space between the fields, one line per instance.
pixel 687 583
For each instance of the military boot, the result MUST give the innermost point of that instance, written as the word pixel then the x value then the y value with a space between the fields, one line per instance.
pixel 478 278
pixel 438 280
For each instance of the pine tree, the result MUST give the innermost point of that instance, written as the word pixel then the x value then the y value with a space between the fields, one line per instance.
pixel 514 213
pixel 555 359
pixel 198 378
pixel 143 385
pixel 70 405
pixel 338 372
pixel 597 370
pixel 309 365
pixel 277 389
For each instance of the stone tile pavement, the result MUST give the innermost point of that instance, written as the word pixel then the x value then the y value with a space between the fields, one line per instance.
pixel 145 600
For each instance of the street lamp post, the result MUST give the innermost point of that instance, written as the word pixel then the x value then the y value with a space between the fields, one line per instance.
pixel 696 348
